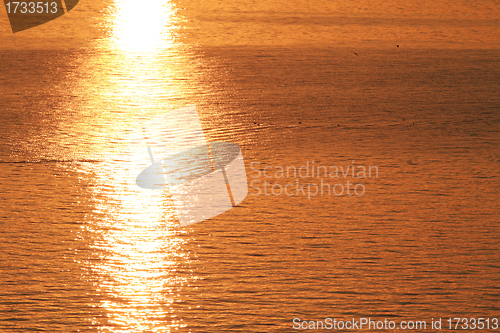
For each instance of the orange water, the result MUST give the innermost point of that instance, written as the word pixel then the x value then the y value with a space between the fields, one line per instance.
pixel 291 83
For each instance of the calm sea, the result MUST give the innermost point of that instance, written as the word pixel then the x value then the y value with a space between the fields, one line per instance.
pixel 406 91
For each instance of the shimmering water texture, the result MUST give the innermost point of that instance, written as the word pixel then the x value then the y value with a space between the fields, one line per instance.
pixel 283 84
pixel 28 14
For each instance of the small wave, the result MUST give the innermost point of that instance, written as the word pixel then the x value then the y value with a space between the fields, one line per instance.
pixel 50 161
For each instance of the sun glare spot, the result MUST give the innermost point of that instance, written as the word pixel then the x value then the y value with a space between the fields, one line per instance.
pixel 143 26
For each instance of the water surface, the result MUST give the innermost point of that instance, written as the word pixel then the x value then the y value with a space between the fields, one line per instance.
pixel 293 84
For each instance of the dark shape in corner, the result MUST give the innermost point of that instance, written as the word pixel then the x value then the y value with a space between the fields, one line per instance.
pixel 35 13
pixel 70 4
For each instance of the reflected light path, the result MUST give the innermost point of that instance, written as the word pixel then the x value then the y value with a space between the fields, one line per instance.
pixel 136 259
pixel 138 254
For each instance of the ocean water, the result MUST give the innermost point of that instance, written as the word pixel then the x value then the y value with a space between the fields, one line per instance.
pixel 404 93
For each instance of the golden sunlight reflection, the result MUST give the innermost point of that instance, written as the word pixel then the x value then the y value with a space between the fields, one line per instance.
pixel 137 254
pixel 143 26
pixel 137 259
